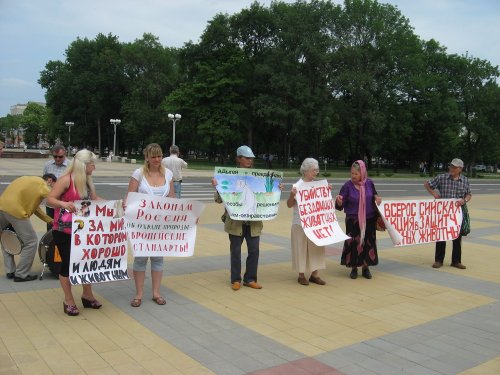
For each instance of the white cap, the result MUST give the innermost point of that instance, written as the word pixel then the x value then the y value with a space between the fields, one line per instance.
pixel 457 163
pixel 245 151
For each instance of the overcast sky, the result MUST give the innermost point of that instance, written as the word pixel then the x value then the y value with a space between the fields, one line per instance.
pixel 33 32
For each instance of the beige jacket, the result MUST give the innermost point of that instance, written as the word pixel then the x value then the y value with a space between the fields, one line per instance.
pixel 235 227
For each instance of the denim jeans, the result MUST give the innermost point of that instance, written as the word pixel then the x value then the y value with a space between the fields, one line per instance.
pixel 177 188
pixel 252 261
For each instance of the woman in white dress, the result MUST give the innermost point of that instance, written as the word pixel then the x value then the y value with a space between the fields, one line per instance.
pixel 152 179
pixel 307 258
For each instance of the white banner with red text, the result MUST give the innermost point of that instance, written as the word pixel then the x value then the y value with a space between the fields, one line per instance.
pixel 161 226
pixel 98 243
pixel 413 222
pixel 317 213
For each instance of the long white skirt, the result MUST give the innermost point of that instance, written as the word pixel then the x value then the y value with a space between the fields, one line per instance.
pixel 306 256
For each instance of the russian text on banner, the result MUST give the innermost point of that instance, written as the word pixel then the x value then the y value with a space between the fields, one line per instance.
pixel 98 243
pixel 249 194
pixel 317 213
pixel 413 222
pixel 161 226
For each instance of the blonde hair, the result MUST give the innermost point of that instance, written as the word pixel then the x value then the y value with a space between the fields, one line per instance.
pixel 78 170
pixel 150 151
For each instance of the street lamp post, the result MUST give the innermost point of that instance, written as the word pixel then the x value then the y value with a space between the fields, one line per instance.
pixel 174 119
pixel 69 124
pixel 114 122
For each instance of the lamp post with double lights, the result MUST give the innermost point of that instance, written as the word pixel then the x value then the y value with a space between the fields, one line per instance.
pixel 174 119
pixel 69 124
pixel 114 122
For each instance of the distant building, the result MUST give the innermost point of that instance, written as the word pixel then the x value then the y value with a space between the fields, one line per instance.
pixel 18 109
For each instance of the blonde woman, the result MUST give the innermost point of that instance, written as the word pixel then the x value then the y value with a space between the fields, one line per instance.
pixel 75 184
pixel 307 258
pixel 152 179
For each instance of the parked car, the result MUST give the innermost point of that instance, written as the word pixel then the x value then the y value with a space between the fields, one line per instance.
pixel 489 168
pixel 480 167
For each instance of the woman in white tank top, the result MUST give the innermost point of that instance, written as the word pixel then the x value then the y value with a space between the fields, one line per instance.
pixel 152 179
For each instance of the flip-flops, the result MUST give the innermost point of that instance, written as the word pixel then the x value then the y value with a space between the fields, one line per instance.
pixel 136 302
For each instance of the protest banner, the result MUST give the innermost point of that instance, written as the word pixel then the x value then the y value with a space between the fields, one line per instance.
pixel 413 222
pixel 249 194
pixel 317 213
pixel 161 226
pixel 98 243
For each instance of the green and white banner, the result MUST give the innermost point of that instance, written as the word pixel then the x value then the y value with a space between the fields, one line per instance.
pixel 249 194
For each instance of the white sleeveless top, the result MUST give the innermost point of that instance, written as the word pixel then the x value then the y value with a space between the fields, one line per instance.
pixel 145 188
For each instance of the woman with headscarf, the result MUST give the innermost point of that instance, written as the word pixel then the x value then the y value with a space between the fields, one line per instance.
pixel 357 198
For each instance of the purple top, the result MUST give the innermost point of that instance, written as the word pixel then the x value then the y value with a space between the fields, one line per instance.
pixel 351 199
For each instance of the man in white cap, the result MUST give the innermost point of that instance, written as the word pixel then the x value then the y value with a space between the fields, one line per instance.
pixel 450 185
pixel 242 230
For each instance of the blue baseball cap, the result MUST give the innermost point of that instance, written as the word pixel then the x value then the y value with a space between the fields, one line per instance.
pixel 245 151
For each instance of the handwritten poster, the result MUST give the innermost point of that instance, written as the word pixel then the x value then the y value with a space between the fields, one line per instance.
pixel 98 243
pixel 249 194
pixel 413 222
pixel 317 213
pixel 161 226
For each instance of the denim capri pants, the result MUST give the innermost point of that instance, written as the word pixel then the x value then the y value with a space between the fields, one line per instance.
pixel 141 262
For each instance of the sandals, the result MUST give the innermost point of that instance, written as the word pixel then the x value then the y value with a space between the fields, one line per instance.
pixel 136 302
pixel 94 304
pixel 159 300
pixel 71 310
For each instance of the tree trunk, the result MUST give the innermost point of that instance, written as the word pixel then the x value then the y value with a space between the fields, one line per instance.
pixel 99 146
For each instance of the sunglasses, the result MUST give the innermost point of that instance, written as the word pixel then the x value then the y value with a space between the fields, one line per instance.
pixel 58 156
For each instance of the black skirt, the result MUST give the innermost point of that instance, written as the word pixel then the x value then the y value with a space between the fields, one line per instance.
pixel 352 256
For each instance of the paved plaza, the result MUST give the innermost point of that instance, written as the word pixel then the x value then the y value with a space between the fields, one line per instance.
pixel 409 319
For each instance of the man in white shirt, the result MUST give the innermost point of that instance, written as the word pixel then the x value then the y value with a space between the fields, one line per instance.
pixel 175 164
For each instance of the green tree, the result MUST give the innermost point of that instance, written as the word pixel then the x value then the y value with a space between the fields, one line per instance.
pixel 9 126
pixel 150 75
pixel 374 43
pixel 210 95
pixel 86 89
pixel 34 121
pixel 476 93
